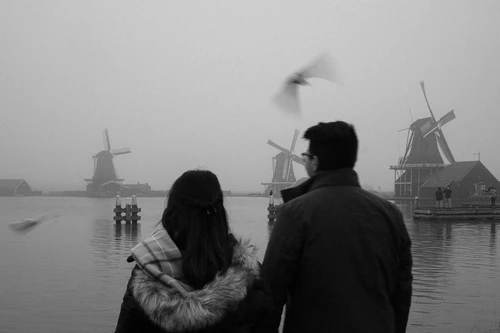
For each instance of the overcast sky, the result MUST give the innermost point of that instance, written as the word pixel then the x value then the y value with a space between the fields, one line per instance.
pixel 188 84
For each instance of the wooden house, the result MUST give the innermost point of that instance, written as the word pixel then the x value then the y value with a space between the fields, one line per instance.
pixel 464 179
pixel 14 187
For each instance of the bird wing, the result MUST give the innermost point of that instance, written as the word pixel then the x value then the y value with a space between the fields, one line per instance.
pixel 323 67
pixel 26 225
pixel 288 98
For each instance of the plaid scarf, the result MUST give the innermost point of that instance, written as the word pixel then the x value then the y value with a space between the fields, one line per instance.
pixel 160 258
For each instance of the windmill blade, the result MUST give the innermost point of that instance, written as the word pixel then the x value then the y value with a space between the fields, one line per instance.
pixel 289 161
pixel 323 67
pixel 425 96
pixel 286 151
pixel 286 168
pixel 121 151
pixel 409 141
pixel 446 118
pixel 298 159
pixel 105 137
pixel 294 140
pixel 411 115
pixel 444 146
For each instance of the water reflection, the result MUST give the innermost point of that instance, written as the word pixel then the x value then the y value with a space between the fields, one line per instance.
pixel 432 262
pixel 493 236
pixel 126 235
pixel 453 262
pixel 111 242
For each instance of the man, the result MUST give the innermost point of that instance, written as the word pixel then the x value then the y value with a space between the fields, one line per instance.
pixel 447 196
pixel 439 198
pixel 338 256
pixel 493 195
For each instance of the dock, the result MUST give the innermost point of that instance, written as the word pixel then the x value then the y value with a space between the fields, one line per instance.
pixel 457 214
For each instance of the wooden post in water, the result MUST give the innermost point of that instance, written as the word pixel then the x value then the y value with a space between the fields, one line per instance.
pixel 134 211
pixel 118 210
pixel 272 209
pixel 129 213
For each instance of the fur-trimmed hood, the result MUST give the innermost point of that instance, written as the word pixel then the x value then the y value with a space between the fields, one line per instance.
pixel 173 310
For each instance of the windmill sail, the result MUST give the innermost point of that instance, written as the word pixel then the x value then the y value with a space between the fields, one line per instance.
pixel 283 174
pixel 444 146
pixel 105 180
pixel 433 126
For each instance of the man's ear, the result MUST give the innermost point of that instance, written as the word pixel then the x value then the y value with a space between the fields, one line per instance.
pixel 315 163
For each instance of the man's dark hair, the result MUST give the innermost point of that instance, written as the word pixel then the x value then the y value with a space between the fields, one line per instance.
pixel 335 144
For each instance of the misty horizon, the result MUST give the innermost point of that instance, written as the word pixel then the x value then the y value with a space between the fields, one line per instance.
pixel 190 85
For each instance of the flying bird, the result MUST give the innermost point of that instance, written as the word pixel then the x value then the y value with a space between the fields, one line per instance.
pixel 26 225
pixel 322 67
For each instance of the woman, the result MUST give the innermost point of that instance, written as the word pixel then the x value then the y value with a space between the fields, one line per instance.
pixel 193 275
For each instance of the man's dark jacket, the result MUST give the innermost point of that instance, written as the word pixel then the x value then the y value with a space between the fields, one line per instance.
pixel 439 194
pixel 340 258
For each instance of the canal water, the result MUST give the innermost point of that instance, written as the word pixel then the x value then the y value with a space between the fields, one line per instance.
pixel 69 275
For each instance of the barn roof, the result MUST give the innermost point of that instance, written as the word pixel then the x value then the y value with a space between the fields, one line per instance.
pixel 436 182
pixel 135 186
pixel 10 183
pixel 453 172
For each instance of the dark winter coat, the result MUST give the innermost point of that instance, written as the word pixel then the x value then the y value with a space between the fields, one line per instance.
pixel 447 193
pixel 439 194
pixel 340 258
pixel 233 302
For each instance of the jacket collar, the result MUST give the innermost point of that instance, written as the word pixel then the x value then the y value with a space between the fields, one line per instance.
pixel 338 177
pixel 172 310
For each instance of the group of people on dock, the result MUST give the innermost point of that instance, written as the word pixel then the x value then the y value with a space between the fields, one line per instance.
pixel 447 196
pixel 338 259
pixel 491 191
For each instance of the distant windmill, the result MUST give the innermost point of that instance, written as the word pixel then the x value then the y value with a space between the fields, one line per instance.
pixel 105 181
pixel 426 147
pixel 425 137
pixel 283 175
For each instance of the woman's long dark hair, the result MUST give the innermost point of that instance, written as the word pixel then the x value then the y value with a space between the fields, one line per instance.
pixel 196 220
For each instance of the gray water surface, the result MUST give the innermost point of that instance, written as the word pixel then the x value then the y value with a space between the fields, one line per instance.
pixel 69 275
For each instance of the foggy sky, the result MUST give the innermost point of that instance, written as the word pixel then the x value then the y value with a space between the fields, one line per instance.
pixel 188 84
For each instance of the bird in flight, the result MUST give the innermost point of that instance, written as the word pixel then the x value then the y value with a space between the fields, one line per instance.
pixel 322 67
pixel 26 225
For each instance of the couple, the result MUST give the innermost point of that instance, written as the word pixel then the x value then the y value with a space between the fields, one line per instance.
pixel 338 257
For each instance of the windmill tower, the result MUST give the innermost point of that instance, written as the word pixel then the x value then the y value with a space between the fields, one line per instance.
pixel 105 181
pixel 282 163
pixel 427 152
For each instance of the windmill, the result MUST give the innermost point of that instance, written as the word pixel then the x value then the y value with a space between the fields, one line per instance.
pixel 105 181
pixel 282 163
pixel 425 148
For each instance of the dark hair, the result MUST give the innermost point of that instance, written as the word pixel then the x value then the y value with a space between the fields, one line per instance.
pixel 196 220
pixel 335 144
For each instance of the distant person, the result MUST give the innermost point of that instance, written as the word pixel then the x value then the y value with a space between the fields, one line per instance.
pixel 439 198
pixel 493 194
pixel 192 274
pixel 447 195
pixel 338 256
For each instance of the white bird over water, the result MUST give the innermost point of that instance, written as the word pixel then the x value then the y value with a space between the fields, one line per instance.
pixel 323 67
pixel 26 225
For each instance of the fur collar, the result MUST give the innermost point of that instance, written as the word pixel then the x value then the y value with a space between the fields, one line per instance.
pixel 169 309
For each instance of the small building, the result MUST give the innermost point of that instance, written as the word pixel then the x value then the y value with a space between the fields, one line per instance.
pixel 135 189
pixel 14 187
pixel 464 179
